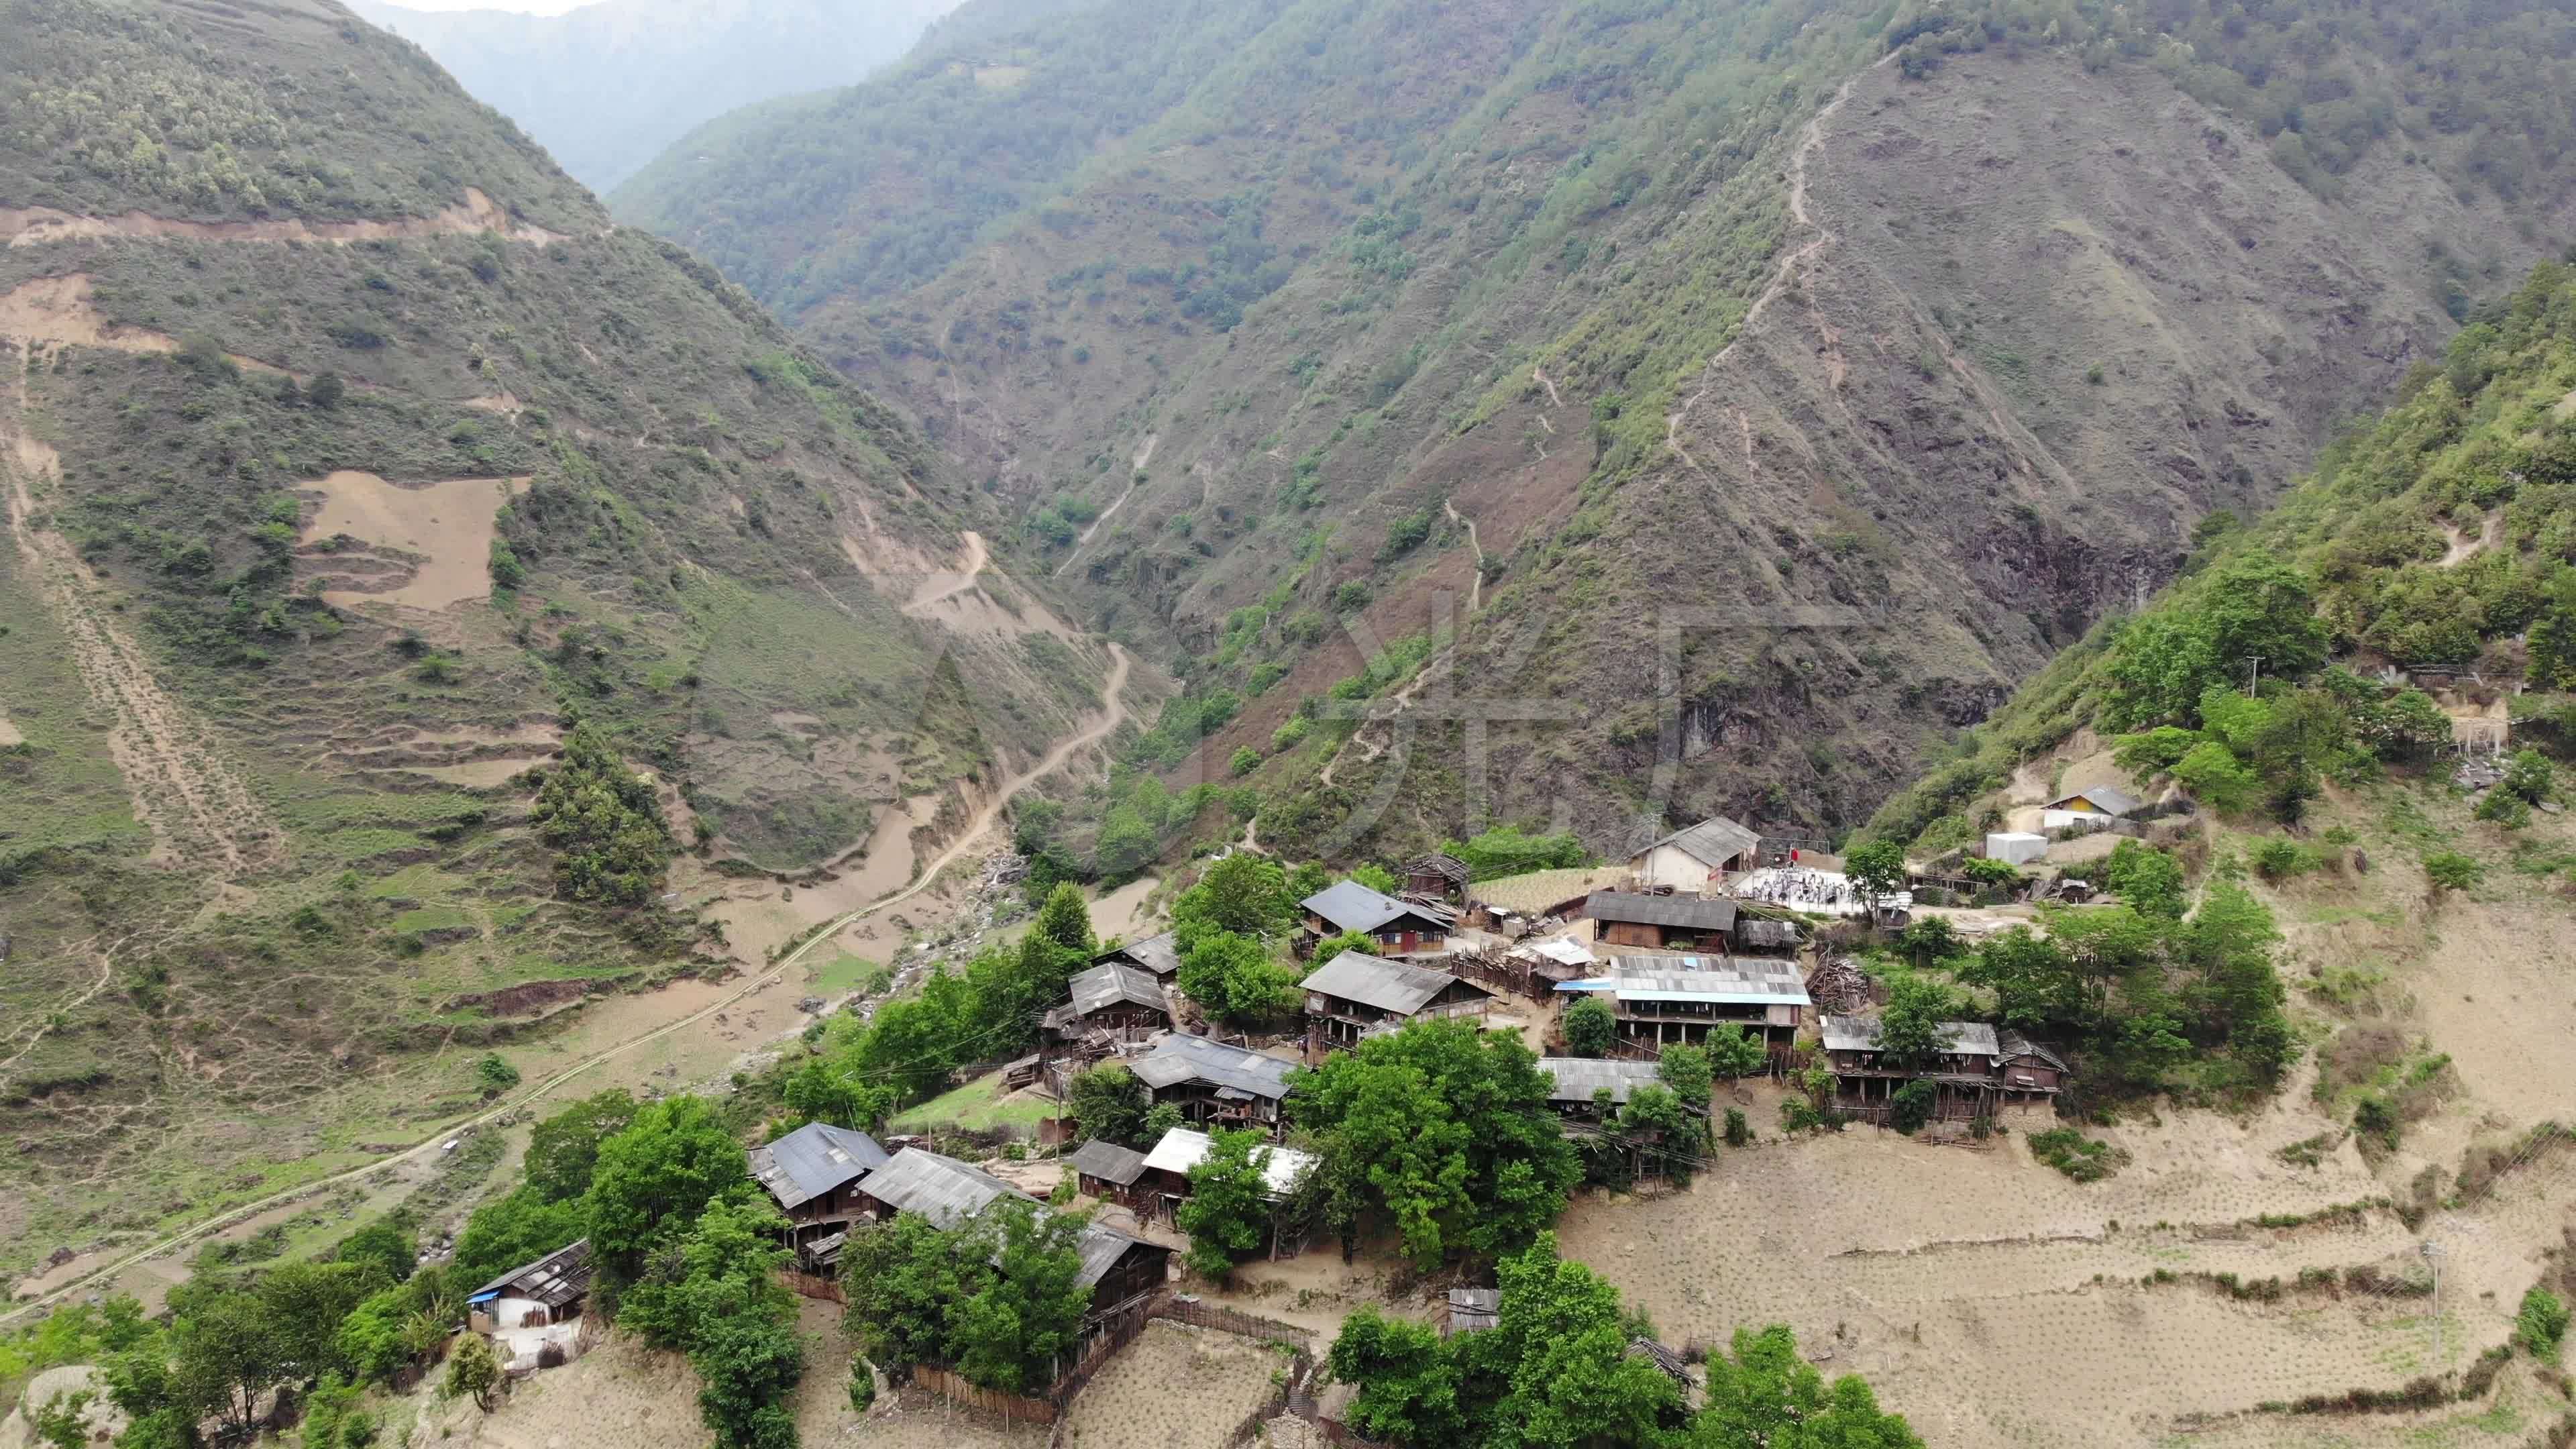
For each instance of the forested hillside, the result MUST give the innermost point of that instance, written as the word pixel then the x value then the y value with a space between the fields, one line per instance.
pixel 606 86
pixel 1870 356
pixel 414 584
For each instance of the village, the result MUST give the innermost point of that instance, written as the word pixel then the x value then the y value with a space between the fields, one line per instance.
pixel 1714 938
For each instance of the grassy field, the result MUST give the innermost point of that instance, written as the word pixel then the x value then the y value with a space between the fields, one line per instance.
pixel 977 1105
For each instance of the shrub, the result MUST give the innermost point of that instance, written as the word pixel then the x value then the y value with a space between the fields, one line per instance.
pixel 2279 859
pixel 1738 1131
pixel 2503 807
pixel 2541 1325
pixel 1245 761
pixel 1590 1026
pixel 2448 870
pixel 2078 1156
pixel 1911 1106
pixel 495 1074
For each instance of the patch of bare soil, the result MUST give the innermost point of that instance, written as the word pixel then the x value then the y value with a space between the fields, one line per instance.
pixel 37 225
pixel 9 734
pixel 185 791
pixel 942 586
pixel 1175 1387
pixel 443 530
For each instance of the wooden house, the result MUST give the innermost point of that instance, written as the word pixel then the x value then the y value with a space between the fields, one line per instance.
pixel 813 1175
pixel 1437 877
pixel 1157 956
pixel 1398 927
pixel 1754 937
pixel 1111 997
pixel 1354 995
pixel 1211 1083
pixel 1472 1310
pixel 1970 1074
pixel 1669 923
pixel 1664 999
pixel 1580 1081
pixel 1107 1171
pixel 1116 1267
pixel 1698 857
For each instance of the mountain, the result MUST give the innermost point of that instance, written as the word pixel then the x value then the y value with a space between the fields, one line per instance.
pixel 1771 387
pixel 378 513
pixel 606 86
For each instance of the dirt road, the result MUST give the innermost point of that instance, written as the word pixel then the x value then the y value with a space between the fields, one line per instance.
pixel 933 591
pixel 37 225
pixel 1113 714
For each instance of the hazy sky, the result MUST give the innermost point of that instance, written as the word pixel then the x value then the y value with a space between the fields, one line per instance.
pixel 525 7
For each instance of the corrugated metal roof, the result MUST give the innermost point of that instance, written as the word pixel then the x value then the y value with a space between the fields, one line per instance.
pixel 1449 867
pixel 1767 933
pixel 813 1160
pixel 1182 1149
pixel 1180 1057
pixel 1472 1310
pixel 1155 953
pixel 1578 1078
pixel 1108 1161
pixel 2109 798
pixel 2014 1044
pixel 1730 980
pixel 1712 842
pixel 948 1192
pixel 1698 913
pixel 1349 906
pixel 1860 1034
pixel 1113 983
pixel 1387 985
pixel 554 1280
pixel 1563 950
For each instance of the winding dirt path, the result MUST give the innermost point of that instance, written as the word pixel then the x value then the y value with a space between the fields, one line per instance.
pixel 185 792
pixel 1541 378
pixel 1810 137
pixel 1144 455
pixel 933 592
pixel 1113 714
pixel 37 225
pixel 1476 588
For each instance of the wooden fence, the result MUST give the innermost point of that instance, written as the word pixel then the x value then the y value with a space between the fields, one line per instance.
pixel 807 1285
pixel 1227 1320
pixel 954 1388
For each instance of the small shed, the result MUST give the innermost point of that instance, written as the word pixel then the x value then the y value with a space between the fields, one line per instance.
pixel 548 1291
pixel 1767 938
pixel 1438 877
pixel 1692 858
pixel 2015 847
pixel 2093 805
pixel 1211 1082
pixel 1674 923
pixel 1107 1171
pixel 1580 1081
pixel 2030 1070
pixel 1473 1310
pixel 1112 996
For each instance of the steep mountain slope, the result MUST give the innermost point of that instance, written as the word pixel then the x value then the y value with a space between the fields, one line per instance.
pixel 1808 376
pixel 329 525
pixel 606 86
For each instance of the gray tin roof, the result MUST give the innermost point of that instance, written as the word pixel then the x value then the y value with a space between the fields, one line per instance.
pixel 2110 797
pixel 1767 933
pixel 948 1192
pixel 1114 983
pixel 1578 1078
pixel 813 1160
pixel 2013 1044
pixel 1180 1057
pixel 1713 841
pixel 1860 1034
pixel 1108 1161
pixel 1349 906
pixel 1387 985
pixel 1155 953
pixel 553 1280
pixel 1699 913
pixel 1737 981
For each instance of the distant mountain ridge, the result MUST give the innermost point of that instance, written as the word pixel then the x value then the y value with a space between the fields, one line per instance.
pixel 606 87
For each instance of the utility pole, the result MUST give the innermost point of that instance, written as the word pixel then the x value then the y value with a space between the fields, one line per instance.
pixel 2255 674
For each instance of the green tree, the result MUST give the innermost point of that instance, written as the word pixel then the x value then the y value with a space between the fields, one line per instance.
pixel 912 1277
pixel 563 1148
pixel 385 1247
pixel 1764 1394
pixel 1025 1316
pixel 2541 1324
pixel 1160 1119
pixel 1590 1026
pixel 1110 1104
pixel 1407 1380
pixel 1243 895
pixel 1910 1030
pixel 657 1175
pixel 1236 979
pixel 473 1370
pixel 2147 879
pixel 1376 877
pixel 1688 1073
pixel 1066 921
pixel 1930 939
pixel 495 1074
pixel 2035 984
pixel 1332 946
pixel 2529 776
pixel 518 1228
pixel 1734 1053
pixel 713 1293
pixel 1876 869
pixel 2214 776
pixel 1227 1213
pixel 1560 1350
pixel 603 822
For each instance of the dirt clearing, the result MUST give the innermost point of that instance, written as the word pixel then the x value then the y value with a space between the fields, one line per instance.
pixel 449 526
pixel 9 734
pixel 1175 1387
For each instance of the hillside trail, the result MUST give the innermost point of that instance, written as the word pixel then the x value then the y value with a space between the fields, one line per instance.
pixel 1811 137
pixel 187 795
pixel 37 225
pixel 1144 455
pixel 933 592
pixel 1402 699
pixel 1476 586
pixel 1114 713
